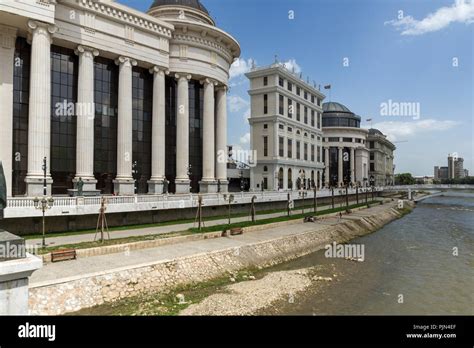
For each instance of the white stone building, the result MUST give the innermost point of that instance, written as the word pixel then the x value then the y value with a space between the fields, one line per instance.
pixel 285 130
pixel 113 96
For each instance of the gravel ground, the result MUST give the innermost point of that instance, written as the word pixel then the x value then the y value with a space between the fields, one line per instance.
pixel 247 297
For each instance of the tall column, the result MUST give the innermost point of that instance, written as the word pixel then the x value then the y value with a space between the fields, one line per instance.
pixel 7 53
pixel 326 168
pixel 221 138
pixel 340 160
pixel 158 126
pixel 209 182
pixel 39 117
pixel 182 135
pixel 353 179
pixel 123 183
pixel 85 118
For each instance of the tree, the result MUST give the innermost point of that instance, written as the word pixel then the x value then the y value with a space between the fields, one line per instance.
pixel 404 179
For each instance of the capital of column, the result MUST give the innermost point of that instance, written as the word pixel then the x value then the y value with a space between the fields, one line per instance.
pixel 159 70
pixel 222 88
pixel 37 27
pixel 126 61
pixel 181 77
pixel 208 81
pixel 87 51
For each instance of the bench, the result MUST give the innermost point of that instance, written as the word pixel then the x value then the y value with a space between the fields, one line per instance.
pixel 236 230
pixel 63 255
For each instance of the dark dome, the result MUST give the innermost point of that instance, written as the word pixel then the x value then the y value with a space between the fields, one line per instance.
pixel 196 4
pixel 375 131
pixel 335 107
pixel 338 115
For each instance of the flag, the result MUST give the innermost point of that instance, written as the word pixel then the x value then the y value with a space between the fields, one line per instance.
pixel 369 120
pixel 327 87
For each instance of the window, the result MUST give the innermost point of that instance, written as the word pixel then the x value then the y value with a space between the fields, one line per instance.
pixel 290 148
pixel 298 90
pixel 372 156
pixel 372 167
pixel 305 151
pixel 319 153
pixel 281 142
pixel 265 146
pixel 265 183
pixel 281 109
pixel 265 104
pixel 347 140
pixel 297 111
pixel 281 82
pixel 312 98
pixel 333 139
pixel 306 134
pixel 358 140
pixel 265 80
pixel 290 86
pixel 305 95
pixel 280 126
pixel 312 118
pixel 290 108
pixel 265 168
pixel 265 126
pixel 298 154
pixel 306 115
pixel 312 153
pixel 290 129
pixel 371 144
pixel 312 136
pixel 319 120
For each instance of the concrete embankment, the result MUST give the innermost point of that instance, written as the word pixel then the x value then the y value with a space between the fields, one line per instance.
pixel 255 249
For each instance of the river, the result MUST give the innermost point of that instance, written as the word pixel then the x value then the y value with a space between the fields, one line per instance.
pixel 420 264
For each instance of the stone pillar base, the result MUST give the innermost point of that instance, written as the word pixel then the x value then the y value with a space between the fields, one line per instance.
pixel 182 185
pixel 124 187
pixel 224 186
pixel 208 186
pixel 155 187
pixel 89 183
pixel 14 284
pixel 34 186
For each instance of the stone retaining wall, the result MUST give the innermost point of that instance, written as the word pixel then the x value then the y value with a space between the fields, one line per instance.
pixel 72 294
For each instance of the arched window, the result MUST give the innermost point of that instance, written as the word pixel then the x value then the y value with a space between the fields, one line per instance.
pixel 280 178
pixel 265 168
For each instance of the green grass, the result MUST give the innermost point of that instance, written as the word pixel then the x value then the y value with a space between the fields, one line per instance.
pixel 166 223
pixel 221 227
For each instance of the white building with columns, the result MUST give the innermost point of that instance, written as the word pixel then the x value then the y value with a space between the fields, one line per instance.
pixel 285 130
pixel 123 100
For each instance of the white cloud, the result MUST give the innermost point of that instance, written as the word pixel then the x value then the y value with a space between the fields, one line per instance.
pixel 237 103
pixel 240 66
pixel 246 115
pixel 462 11
pixel 290 64
pixel 396 130
pixel 245 139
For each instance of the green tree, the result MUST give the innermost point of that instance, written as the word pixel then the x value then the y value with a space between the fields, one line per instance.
pixel 404 179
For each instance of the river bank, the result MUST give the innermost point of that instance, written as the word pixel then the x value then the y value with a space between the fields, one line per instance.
pixel 221 268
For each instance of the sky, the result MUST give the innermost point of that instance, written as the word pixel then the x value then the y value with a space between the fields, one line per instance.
pixel 377 55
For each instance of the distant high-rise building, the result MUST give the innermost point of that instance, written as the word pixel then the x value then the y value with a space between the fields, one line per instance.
pixel 440 173
pixel 466 173
pixel 455 167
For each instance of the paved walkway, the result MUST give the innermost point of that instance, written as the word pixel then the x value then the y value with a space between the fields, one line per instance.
pixel 89 237
pixel 52 272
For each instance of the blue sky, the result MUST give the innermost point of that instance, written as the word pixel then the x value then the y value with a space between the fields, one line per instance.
pixel 422 55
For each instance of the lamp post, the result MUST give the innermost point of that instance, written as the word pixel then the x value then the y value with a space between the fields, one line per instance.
pixel 252 208
pixel 302 192
pixel 347 197
pixel 44 203
pixel 229 199
pixel 241 175
pixel 189 171
pixel 315 200
pixel 135 176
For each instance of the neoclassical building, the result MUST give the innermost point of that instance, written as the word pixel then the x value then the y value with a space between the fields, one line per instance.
pixel 354 155
pixel 121 99
pixel 285 130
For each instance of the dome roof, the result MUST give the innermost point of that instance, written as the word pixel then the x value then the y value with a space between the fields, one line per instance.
pixel 375 131
pixel 195 4
pixel 335 107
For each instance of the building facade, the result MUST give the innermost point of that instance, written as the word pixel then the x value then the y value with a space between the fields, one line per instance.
pixel 285 130
pixel 121 100
pixel 352 155
pixel 440 173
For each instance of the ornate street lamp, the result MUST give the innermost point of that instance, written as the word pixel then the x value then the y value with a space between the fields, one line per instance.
pixel 229 199
pixel 135 176
pixel 43 204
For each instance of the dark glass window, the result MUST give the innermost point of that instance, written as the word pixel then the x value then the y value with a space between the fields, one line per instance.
pixel 64 70
pixel 372 167
pixel 347 140
pixel 281 105
pixel 306 115
pixel 298 153
pixel 319 153
pixel 371 144
pixel 333 166
pixel 312 98
pixel 142 103
pixel 170 131
pixel 319 120
pixel 265 80
pixel 265 126
pixel 372 156
pixel 312 118
pixel 312 153
pixel 265 146
pixel 290 86
pixel 290 148
pixel 298 90
pixel 21 88
pixel 281 82
pixel 196 95
pixel 298 114
pixel 280 126
pixel 305 151
pixel 333 139
pixel 265 104
pixel 105 123
pixel 281 149
pixel 305 95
